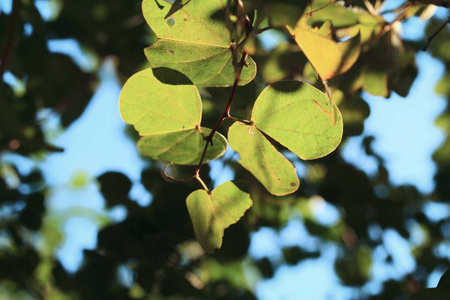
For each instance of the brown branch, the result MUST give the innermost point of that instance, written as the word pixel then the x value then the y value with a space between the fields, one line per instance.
pixel 430 39
pixel 261 30
pixel 226 113
pixel 10 37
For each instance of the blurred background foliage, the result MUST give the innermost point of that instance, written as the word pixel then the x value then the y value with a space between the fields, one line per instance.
pixel 151 252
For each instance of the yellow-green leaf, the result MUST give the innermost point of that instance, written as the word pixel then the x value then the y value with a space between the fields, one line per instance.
pixel 194 40
pixel 327 56
pixel 154 107
pixel 205 65
pixel 263 160
pixel 182 147
pixel 211 213
pixel 300 117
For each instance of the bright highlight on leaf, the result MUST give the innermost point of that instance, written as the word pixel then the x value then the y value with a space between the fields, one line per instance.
pixel 168 117
pixel 212 213
pixel 263 160
pixel 155 107
pixel 328 57
pixel 300 117
pixel 193 39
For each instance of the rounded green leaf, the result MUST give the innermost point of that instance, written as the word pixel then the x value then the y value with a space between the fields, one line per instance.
pixel 300 117
pixel 194 40
pixel 155 107
pixel 211 213
pixel 199 22
pixel 263 160
pixel 182 147
pixel 205 65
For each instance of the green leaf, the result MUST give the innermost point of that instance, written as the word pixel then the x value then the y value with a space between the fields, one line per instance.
pixel 194 39
pixel 327 56
pixel 168 114
pixel 340 16
pixel 205 65
pixel 154 107
pixel 211 213
pixel 300 117
pixel 376 82
pixel 263 160
pixel 182 147
pixel 282 62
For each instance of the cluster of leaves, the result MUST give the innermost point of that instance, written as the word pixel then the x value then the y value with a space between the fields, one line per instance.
pixel 199 45
pixel 156 242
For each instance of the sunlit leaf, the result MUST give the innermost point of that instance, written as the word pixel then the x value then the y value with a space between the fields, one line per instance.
pixel 182 147
pixel 205 65
pixel 155 107
pixel 300 117
pixel 324 10
pixel 211 213
pixel 194 39
pixel 327 56
pixel 263 160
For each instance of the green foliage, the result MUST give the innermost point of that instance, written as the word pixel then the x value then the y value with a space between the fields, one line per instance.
pixel 198 58
pixel 212 212
pixel 193 39
pixel 197 45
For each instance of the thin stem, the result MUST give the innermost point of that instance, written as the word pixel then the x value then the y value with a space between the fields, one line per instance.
pixel 202 183
pixel 435 34
pixel 327 90
pixel 226 113
pixel 10 37
pixel 246 122
pixel 261 30
pixel 388 26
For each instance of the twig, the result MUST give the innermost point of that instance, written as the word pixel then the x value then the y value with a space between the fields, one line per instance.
pixel 10 37
pixel 435 34
pixel 226 113
pixel 261 30
pixel 388 26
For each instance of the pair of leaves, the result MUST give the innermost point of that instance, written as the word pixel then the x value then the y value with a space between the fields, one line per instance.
pixel 194 40
pixel 211 213
pixel 299 117
pixel 328 57
pixel 166 111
